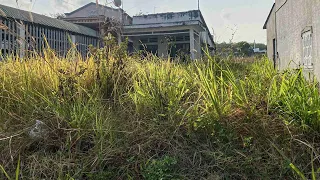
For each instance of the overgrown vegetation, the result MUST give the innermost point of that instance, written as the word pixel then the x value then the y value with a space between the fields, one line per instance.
pixel 111 116
pixel 239 49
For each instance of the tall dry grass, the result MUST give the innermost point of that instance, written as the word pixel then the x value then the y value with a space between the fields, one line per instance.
pixel 111 116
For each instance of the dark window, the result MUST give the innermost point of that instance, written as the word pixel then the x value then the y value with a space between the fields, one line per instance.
pixel 179 50
pixel 274 52
pixel 153 40
pixel 149 48
pixel 179 38
pixel 144 40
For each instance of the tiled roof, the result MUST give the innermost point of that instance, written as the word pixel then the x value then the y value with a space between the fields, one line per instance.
pixel 26 16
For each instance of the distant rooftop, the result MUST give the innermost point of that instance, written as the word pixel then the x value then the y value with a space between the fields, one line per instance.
pixel 98 5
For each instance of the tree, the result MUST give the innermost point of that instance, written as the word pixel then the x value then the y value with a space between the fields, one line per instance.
pixel 259 45
pixel 244 48
pixel 238 49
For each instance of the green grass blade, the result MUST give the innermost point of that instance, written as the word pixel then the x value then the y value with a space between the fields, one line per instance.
pixel 4 172
pixel 18 169
pixel 313 173
pixel 303 177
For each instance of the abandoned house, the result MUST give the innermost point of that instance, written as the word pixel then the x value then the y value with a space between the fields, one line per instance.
pixel 23 31
pixel 165 34
pixel 101 18
pixel 170 34
pixel 293 34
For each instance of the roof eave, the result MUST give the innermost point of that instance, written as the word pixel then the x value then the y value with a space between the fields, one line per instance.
pixel 205 24
pixel 79 8
pixel 265 24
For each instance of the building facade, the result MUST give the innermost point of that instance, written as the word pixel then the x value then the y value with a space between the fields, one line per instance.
pixel 22 32
pixel 293 34
pixel 182 34
pixel 96 16
pixel 171 34
pixel 164 34
pixel 91 15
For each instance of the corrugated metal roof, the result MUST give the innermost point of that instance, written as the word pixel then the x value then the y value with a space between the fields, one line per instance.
pixel 26 16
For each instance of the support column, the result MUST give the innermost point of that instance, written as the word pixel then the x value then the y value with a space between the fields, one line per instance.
pixel 100 43
pixel 22 39
pixel 198 46
pixel 119 38
pixel 192 48
pixel 162 47
pixel 121 25
pixel 136 43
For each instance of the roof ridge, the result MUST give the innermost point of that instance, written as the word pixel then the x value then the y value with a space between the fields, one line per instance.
pixel 93 3
pixel 166 13
pixel 82 7
pixel 265 24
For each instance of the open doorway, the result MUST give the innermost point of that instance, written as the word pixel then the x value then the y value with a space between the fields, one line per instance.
pixel 274 53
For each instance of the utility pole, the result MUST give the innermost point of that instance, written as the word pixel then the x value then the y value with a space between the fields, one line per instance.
pixel 198 4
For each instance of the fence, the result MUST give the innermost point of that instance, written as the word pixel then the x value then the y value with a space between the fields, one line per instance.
pixel 19 38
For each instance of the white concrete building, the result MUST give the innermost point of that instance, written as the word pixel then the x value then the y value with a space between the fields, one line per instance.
pixel 95 16
pixel 165 34
pixel 169 34
pixel 293 35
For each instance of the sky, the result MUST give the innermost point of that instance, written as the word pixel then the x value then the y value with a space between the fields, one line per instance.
pixel 236 20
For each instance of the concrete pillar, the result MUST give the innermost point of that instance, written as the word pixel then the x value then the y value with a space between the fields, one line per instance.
pixel 198 46
pixel 136 43
pixel 192 47
pixel 162 47
pixel 119 38
pixel 100 42
pixel 121 22
pixel 22 39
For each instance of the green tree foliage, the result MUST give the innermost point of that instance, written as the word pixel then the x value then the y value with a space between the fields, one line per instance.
pixel 261 46
pixel 244 48
pixel 240 49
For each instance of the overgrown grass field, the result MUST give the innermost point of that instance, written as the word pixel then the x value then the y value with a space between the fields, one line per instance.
pixel 111 116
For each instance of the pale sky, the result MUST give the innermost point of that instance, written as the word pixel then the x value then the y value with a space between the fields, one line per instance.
pixel 244 17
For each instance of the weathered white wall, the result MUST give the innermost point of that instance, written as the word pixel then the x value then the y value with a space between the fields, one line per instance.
pixel 287 23
pixel 291 19
pixel 167 17
pixel 271 34
pixel 316 37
